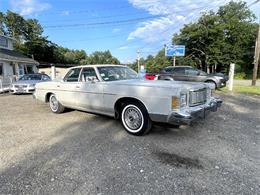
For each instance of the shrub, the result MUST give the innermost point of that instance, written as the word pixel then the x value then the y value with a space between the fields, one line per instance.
pixel 240 75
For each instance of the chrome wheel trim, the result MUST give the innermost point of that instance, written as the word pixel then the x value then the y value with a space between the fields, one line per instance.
pixel 132 118
pixel 54 104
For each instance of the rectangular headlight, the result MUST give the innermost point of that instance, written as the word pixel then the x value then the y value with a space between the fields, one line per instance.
pixel 183 100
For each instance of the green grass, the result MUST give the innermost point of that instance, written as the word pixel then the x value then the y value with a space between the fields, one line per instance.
pixel 243 89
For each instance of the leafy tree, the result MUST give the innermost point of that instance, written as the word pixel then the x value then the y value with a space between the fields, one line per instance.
pixel 31 42
pixel 99 57
pixel 221 38
pixel 2 23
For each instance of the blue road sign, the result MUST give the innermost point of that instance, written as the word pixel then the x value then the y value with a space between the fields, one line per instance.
pixel 175 50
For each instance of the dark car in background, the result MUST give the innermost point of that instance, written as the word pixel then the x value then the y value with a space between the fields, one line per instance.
pixel 188 73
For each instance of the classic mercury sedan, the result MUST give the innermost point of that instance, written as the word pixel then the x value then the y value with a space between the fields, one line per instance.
pixel 117 91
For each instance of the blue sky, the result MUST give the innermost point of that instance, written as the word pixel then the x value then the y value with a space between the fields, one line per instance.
pixel 121 26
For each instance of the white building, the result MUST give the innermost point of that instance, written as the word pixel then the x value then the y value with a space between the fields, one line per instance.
pixel 12 63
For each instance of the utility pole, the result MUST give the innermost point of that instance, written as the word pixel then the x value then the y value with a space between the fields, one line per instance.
pixel 138 60
pixel 256 58
pixel 174 60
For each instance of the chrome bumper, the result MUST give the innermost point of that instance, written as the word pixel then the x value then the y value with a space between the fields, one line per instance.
pixel 199 112
pixel 186 117
pixel 24 90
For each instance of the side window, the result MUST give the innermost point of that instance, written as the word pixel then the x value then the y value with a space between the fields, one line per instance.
pixel 45 78
pixel 179 71
pixel 72 75
pixel 88 74
pixel 168 70
pixel 191 72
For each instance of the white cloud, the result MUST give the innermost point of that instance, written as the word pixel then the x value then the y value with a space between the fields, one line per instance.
pixel 127 61
pixel 29 7
pixel 115 30
pixel 65 13
pixel 123 47
pixel 171 17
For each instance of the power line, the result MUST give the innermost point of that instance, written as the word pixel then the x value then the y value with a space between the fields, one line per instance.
pixel 104 23
pixel 253 3
pixel 91 18
pixel 119 15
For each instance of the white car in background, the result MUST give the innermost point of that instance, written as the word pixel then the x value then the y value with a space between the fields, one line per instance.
pixel 26 84
pixel 117 91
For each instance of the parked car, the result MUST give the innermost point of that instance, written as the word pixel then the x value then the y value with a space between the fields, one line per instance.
pixel 188 73
pixel 26 84
pixel 117 91
pixel 150 76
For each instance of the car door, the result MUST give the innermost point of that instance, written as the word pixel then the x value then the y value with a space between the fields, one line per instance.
pixel 67 90
pixel 195 75
pixel 179 74
pixel 90 96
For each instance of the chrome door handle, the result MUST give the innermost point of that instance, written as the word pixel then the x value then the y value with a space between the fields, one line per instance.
pixel 58 85
pixel 77 87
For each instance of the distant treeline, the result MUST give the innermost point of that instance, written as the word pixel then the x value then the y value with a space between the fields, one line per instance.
pixel 214 41
pixel 31 42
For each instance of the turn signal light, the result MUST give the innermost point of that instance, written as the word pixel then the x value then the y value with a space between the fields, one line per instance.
pixel 175 102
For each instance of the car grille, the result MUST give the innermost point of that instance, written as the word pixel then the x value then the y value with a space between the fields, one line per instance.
pixel 198 97
pixel 20 86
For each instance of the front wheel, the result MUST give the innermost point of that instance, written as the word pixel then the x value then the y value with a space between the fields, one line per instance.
pixel 135 119
pixel 55 105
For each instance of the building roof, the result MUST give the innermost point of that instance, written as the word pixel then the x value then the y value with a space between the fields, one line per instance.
pixel 2 35
pixel 14 56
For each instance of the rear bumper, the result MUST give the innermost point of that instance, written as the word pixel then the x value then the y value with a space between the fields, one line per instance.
pixel 186 118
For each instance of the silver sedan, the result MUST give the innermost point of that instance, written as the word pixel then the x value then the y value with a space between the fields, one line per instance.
pixel 26 84
pixel 117 91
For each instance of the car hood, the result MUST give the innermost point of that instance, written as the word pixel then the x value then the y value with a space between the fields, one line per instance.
pixel 26 82
pixel 219 75
pixel 161 83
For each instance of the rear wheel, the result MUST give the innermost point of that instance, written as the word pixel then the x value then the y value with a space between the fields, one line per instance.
pixel 135 119
pixel 55 105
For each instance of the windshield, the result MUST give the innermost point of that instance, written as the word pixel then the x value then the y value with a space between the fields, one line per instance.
pixel 202 73
pixel 114 73
pixel 30 77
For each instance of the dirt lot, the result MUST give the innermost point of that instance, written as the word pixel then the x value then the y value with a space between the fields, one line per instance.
pixel 76 152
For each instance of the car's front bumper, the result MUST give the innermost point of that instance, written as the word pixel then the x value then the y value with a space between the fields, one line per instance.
pixel 221 84
pixel 24 90
pixel 188 116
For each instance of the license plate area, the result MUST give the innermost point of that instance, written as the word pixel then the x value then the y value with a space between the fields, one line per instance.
pixel 20 90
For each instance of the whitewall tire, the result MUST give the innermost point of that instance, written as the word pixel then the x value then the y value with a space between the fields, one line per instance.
pixel 55 105
pixel 135 119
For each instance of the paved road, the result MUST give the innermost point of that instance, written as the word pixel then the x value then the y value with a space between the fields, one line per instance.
pixel 246 82
pixel 80 153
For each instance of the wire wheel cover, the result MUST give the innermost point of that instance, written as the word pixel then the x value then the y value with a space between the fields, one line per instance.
pixel 54 103
pixel 133 118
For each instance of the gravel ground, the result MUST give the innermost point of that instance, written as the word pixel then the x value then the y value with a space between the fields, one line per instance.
pixel 80 153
